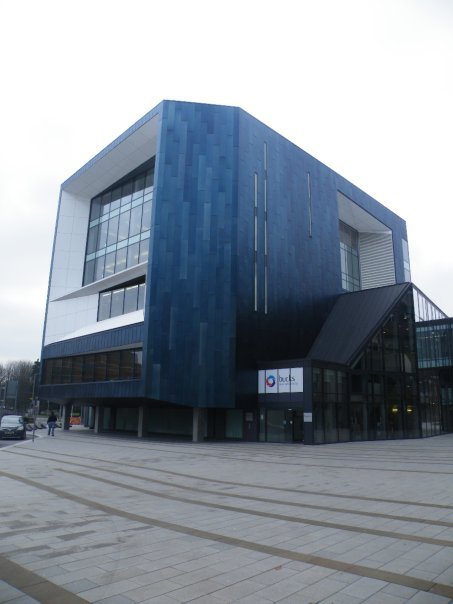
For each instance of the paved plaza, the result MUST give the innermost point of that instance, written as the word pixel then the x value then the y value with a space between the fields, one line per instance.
pixel 121 520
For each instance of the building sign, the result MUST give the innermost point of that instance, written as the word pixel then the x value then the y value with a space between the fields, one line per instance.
pixel 280 381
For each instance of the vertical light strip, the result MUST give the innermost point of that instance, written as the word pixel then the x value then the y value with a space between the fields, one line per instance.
pixel 265 231
pixel 309 205
pixel 255 245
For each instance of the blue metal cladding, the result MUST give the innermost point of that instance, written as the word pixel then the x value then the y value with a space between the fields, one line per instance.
pixel 203 334
pixel 127 336
pixel 118 389
pixel 202 337
pixel 297 225
pixel 189 357
pixel 303 266
pixel 121 337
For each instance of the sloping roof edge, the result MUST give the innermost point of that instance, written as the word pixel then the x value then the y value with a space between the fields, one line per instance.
pixel 352 321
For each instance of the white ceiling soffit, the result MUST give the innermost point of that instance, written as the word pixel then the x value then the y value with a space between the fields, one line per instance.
pixel 121 321
pixel 107 283
pixel 358 218
pixel 130 152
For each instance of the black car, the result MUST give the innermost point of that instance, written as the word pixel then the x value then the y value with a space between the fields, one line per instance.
pixel 12 426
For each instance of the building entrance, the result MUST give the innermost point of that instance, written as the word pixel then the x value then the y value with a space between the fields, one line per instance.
pixel 282 425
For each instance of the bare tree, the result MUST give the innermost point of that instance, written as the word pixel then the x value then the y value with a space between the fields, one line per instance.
pixel 16 383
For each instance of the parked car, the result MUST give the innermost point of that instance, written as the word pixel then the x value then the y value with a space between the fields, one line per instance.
pixel 12 426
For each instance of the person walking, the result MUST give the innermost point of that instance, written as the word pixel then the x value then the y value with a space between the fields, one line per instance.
pixel 51 423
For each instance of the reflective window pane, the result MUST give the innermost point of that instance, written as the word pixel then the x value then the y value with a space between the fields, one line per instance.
pixel 144 245
pixel 126 365
pixel 121 256
pixel 112 236
pixel 123 229
pixel 89 272
pixel 116 198
pixel 126 193
pixel 149 179
pixel 66 369
pixel 349 258
pixel 104 305
pixel 136 219
pixel 105 203
pixel 113 365
pixel 130 298
pixel 95 208
pixel 146 218
pixel 102 239
pixel 56 371
pixel 137 363
pixel 100 367
pixel 139 185
pixel 117 302
pixel 92 240
pixel 77 367
pixel 99 270
pixel 88 368
pixel 109 264
pixel 132 254
pixel 141 296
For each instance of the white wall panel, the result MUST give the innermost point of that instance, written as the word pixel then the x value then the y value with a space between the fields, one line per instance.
pixel 377 264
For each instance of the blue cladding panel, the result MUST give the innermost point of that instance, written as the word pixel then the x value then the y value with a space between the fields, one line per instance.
pixel 130 336
pixel 202 337
pixel 103 340
pixel 126 389
pixel 190 318
pixel 202 331
pixel 304 275
pixel 303 271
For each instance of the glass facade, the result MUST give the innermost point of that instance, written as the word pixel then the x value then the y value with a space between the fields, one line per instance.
pixel 435 358
pixel 378 397
pixel 119 226
pixel 424 309
pixel 349 255
pixel 98 367
pixel 406 262
pixel 281 425
pixel 435 344
pixel 121 300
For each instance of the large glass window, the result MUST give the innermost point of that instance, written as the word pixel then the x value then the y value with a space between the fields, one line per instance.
pixel 382 399
pixel 349 255
pixel 407 266
pixel 119 227
pixel 130 298
pixel 121 300
pixel 424 309
pixel 98 367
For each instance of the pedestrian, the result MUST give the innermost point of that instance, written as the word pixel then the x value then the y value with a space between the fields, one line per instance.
pixel 51 423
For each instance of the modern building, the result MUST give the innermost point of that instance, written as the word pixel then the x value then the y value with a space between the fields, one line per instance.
pixel 210 279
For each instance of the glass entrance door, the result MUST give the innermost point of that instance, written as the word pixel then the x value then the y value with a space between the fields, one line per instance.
pixel 275 426
pixel 298 425
pixel 284 425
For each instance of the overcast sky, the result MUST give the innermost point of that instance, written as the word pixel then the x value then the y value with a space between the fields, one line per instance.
pixel 366 86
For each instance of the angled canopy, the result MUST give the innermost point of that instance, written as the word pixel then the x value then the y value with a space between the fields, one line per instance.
pixel 352 321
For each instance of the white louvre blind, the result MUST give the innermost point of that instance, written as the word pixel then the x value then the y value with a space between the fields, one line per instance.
pixel 377 264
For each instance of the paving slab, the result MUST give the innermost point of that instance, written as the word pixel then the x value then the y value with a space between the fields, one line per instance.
pixel 114 519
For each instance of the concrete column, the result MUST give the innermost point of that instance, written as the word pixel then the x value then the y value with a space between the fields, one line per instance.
pixel 91 411
pixel 143 416
pixel 198 425
pixel 98 417
pixel 66 414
